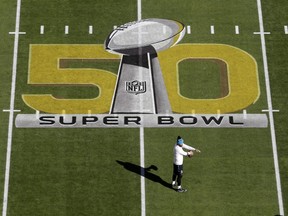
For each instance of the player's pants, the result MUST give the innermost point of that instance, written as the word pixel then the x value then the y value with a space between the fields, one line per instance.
pixel 177 173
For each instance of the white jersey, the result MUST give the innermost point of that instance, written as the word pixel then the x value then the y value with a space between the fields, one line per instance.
pixel 179 153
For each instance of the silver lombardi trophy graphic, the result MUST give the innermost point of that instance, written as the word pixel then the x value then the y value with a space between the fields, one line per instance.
pixel 140 86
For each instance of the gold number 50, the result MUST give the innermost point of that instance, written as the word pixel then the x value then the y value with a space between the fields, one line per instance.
pixel 44 69
pixel 243 85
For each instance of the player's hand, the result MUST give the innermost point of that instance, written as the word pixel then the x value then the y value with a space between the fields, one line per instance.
pixel 190 154
pixel 198 151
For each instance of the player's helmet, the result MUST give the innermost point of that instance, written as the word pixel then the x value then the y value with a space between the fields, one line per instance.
pixel 180 141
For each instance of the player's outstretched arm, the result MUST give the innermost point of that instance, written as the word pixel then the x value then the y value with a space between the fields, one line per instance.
pixel 197 150
pixel 190 148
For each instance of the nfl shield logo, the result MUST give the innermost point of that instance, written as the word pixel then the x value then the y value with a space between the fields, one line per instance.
pixel 135 87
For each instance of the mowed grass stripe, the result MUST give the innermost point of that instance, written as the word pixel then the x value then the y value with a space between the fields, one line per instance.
pixel 81 172
pixel 71 172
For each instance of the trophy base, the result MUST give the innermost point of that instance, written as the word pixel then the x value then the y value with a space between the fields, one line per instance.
pixel 140 87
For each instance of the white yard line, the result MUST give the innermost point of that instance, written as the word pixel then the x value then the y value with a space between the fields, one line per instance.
pixel 66 29
pixel 18 33
pixel 142 164
pixel 212 29
pixel 11 113
pixel 142 155
pixel 8 110
pixel 42 29
pixel 245 114
pixel 139 10
pixel 286 29
pixel 90 29
pixel 270 108
pixel 262 33
pixel 237 31
pixel 188 29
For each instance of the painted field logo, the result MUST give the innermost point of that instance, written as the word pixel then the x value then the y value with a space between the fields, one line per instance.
pixel 144 94
pixel 136 87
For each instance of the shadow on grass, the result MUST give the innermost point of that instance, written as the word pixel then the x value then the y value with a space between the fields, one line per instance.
pixel 145 172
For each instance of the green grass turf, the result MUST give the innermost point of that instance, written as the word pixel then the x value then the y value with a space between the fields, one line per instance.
pixel 232 176
pixel 7 17
pixel 75 171
pixel 276 43
pixel 201 79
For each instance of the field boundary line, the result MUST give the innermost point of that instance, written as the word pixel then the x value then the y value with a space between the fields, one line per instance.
pixel 11 112
pixel 270 108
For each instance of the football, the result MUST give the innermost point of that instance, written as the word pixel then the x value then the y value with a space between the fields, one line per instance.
pixel 190 154
pixel 147 35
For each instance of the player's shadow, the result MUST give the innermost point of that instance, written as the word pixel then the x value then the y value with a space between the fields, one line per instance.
pixel 145 172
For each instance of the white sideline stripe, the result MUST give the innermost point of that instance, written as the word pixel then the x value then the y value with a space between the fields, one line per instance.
pixel 90 29
pixel 142 164
pixel 212 29
pixel 139 10
pixel 66 29
pixel 11 114
pixel 188 29
pixel 42 29
pixel 286 29
pixel 237 29
pixel 270 108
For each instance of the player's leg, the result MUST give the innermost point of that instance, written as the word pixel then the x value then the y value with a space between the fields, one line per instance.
pixel 175 174
pixel 179 179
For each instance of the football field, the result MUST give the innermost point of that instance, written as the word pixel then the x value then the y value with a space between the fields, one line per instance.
pixel 53 64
